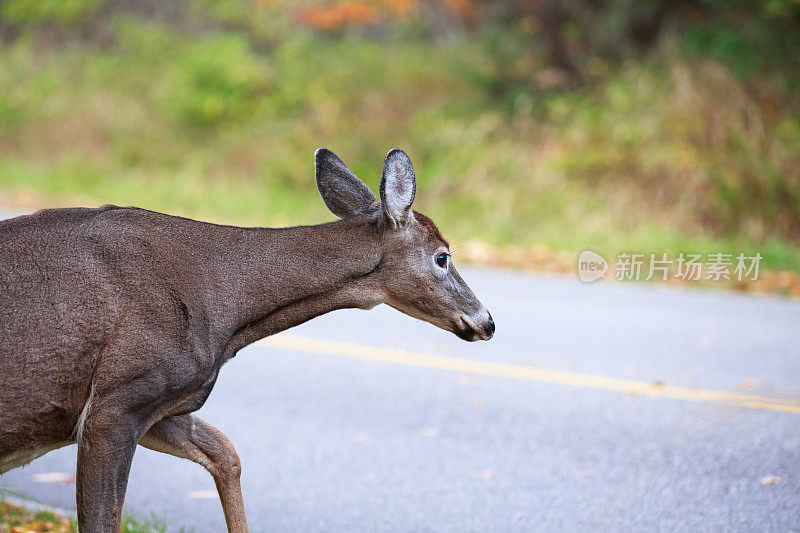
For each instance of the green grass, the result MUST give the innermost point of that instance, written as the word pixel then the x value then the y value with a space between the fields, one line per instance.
pixel 668 154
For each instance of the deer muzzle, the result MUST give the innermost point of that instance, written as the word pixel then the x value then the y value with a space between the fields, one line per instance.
pixel 475 328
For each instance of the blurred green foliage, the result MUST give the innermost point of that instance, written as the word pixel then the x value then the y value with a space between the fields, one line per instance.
pixel 750 37
pixel 217 79
pixel 31 13
pixel 683 139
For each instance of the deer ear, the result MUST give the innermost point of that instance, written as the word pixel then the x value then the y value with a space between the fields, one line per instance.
pixel 398 187
pixel 341 190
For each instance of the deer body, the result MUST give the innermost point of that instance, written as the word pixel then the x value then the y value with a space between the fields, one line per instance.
pixel 114 322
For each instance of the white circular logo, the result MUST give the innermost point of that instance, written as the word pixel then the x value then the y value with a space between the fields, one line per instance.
pixel 591 266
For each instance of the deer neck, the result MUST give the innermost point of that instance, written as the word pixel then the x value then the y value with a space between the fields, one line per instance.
pixel 279 278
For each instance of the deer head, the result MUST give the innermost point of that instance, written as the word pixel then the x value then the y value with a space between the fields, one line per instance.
pixel 415 274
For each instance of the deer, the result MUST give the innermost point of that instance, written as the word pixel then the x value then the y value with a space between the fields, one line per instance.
pixel 115 321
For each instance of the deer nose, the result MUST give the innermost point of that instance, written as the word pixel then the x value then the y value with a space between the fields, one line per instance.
pixel 490 326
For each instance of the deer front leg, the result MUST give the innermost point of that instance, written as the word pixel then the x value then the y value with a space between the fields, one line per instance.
pixel 104 462
pixel 191 438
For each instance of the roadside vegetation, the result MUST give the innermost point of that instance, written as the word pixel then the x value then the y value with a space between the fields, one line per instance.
pixel 18 519
pixel 33 518
pixel 689 141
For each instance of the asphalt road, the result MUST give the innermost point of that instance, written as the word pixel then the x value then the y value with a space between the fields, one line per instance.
pixel 334 437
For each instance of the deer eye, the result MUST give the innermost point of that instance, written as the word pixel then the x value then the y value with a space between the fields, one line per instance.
pixel 441 259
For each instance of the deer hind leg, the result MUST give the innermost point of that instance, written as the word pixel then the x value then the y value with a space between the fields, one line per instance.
pixel 191 438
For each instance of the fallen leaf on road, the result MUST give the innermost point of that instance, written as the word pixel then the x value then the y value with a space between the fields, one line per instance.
pixel 465 380
pixel 202 495
pixel 477 406
pixel 433 347
pixel 65 478
pixel 482 474
pixel 582 473
pixel 770 480
pixel 705 342
pixel 748 383
pixel 429 432
pixel 361 437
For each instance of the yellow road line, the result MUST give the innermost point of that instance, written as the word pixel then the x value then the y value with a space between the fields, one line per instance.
pixel 527 373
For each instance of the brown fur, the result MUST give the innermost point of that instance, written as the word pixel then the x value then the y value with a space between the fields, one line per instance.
pixel 115 322
pixel 431 227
